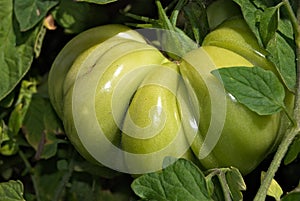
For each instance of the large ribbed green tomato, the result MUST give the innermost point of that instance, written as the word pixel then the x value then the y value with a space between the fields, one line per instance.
pixel 126 106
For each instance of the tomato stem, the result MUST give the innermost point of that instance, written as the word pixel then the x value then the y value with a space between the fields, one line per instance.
pixel 225 187
pixel 177 43
pixel 290 116
pixel 293 131
pixel 65 179
pixel 176 11
pixel 30 169
pixel 281 151
pixel 297 95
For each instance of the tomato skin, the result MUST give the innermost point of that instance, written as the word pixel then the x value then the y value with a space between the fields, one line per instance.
pixel 71 51
pixel 92 78
pixel 245 137
pixel 235 35
pixel 63 73
pixel 88 91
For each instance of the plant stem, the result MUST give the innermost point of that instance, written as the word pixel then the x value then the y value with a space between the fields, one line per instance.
pixel 281 151
pixel 65 179
pixel 290 116
pixel 176 11
pixel 220 173
pixel 292 132
pixel 225 186
pixel 30 169
pixel 297 95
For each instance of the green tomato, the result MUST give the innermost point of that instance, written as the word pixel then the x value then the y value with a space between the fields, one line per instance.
pixel 235 35
pixel 126 106
pixel 220 10
pixel 71 51
pixel 62 76
pixel 245 138
pixel 93 101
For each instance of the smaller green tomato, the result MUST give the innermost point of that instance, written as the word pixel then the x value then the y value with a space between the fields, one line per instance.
pixel 234 34
pixel 245 138
pixel 219 11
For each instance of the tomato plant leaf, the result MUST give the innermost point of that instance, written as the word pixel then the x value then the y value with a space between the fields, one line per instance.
pixel 268 24
pixel 12 191
pixel 41 126
pixel 295 196
pixel 81 190
pixel 16 49
pixel 8 100
pixel 258 89
pixel 283 56
pixel 31 12
pixel 28 88
pixel 251 15
pixel 263 4
pixel 97 1
pixel 8 145
pixel 293 152
pixel 236 183
pixel 231 183
pixel 176 43
pixel 196 25
pixel 105 195
pixel 76 17
pixel 285 28
pixel 9 134
pixel 39 41
pixel 81 166
pixel 180 181
pixel 264 22
pixel 47 189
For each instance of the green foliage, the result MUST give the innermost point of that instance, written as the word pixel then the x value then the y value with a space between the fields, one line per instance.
pixel 293 152
pixel 283 56
pixel 196 26
pixel 291 197
pixel 183 180
pixel 98 1
pixel 264 22
pixel 268 24
pixel 11 191
pixel 75 16
pixel 258 89
pixel 9 140
pixel 228 183
pixel 180 181
pixel 41 126
pixel 16 49
pixel 30 13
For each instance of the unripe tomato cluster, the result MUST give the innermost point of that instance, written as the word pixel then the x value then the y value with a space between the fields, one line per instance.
pixel 127 106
